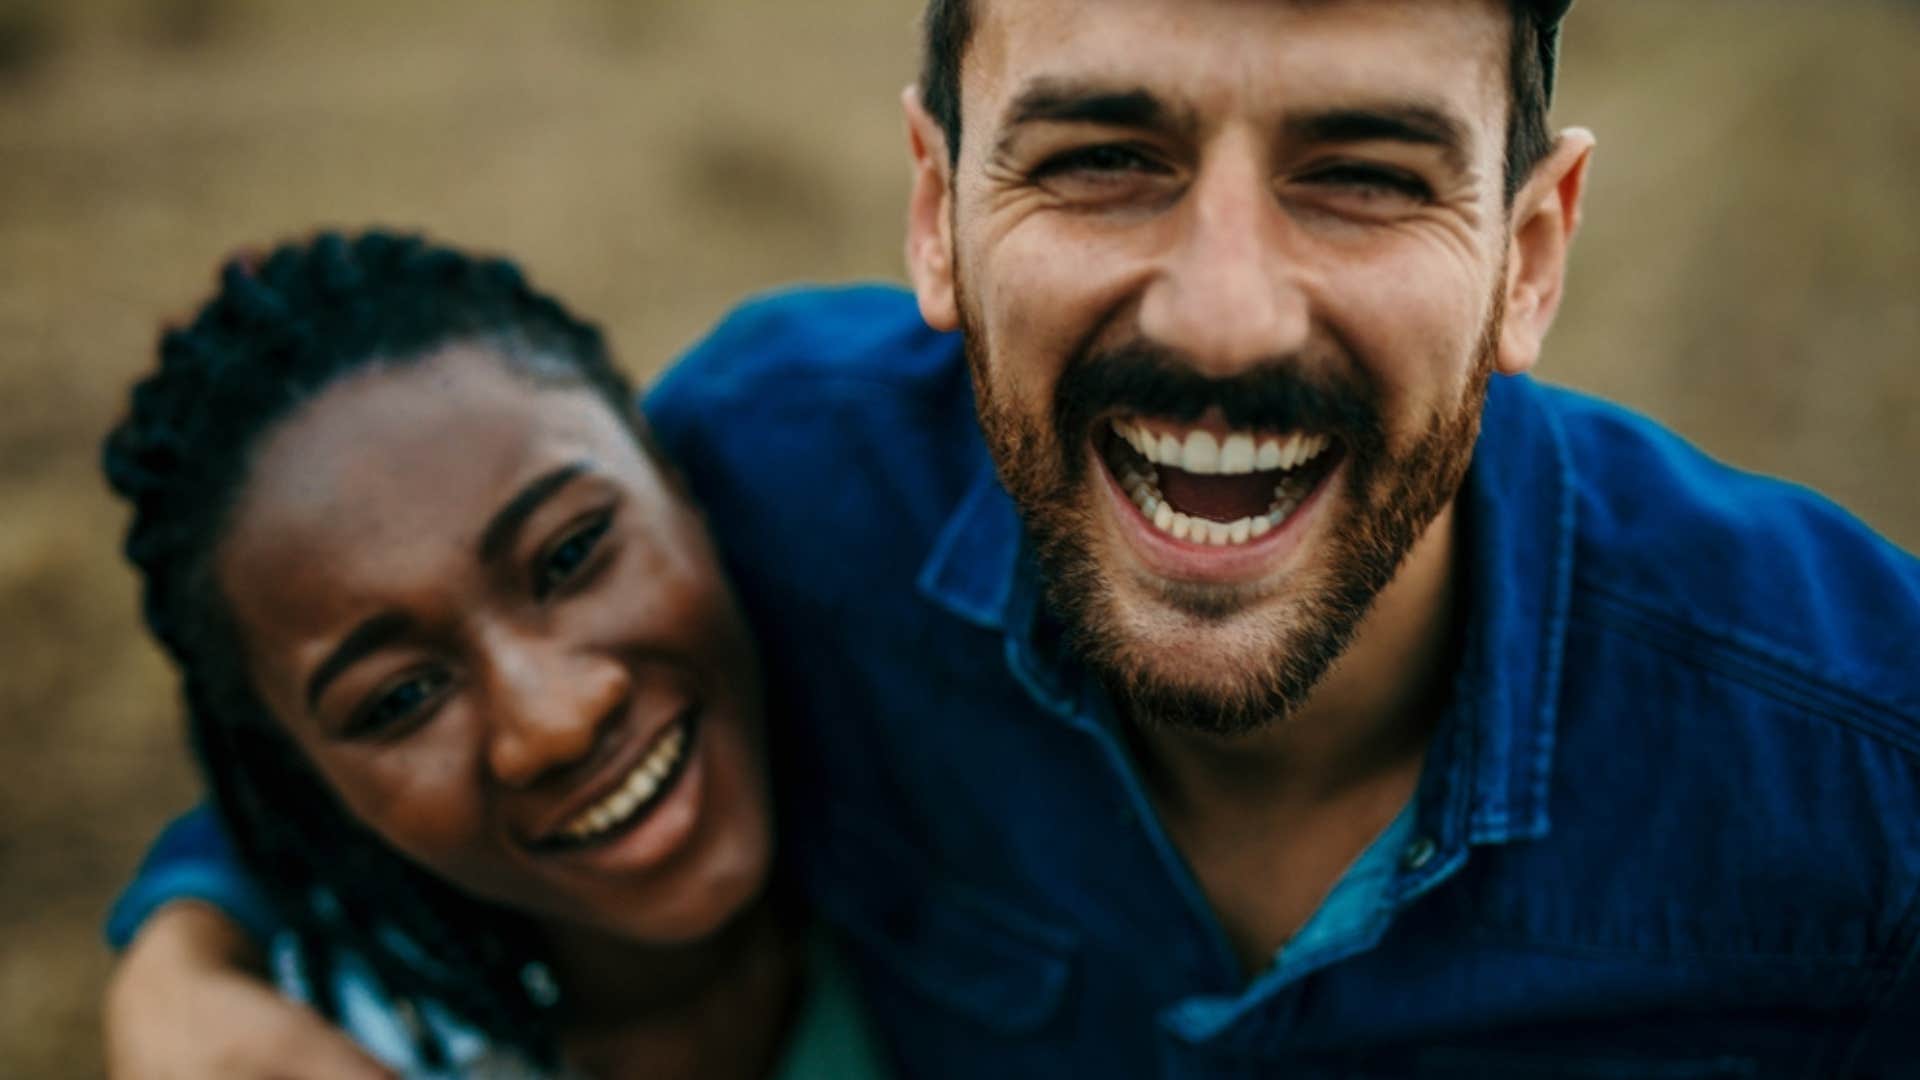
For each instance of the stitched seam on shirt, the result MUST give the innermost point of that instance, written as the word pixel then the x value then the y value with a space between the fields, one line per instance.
pixel 1560 611
pixel 1777 676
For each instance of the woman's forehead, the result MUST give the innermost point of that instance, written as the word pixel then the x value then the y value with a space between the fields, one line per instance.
pixel 445 428
pixel 377 495
pixel 393 474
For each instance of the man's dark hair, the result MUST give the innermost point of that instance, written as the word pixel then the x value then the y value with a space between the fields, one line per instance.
pixel 947 26
pixel 277 333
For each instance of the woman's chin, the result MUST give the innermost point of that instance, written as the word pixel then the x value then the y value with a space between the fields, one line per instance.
pixel 690 907
pixel 707 906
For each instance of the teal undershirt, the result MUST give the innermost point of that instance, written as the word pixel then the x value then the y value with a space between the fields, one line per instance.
pixel 832 1039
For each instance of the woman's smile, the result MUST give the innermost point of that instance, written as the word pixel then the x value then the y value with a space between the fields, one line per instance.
pixel 634 790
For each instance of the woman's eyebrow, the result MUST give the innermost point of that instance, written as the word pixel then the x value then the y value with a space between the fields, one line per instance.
pixel 499 533
pixel 370 636
pixel 387 627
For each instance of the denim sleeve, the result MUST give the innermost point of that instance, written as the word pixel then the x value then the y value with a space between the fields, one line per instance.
pixel 192 860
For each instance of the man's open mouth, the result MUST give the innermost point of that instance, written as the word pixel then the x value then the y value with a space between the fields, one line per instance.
pixel 1217 487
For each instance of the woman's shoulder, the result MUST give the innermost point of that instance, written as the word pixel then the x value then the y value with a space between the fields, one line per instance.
pixel 391 1030
pixel 832 1038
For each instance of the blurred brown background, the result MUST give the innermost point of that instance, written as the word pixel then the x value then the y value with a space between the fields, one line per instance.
pixel 1750 273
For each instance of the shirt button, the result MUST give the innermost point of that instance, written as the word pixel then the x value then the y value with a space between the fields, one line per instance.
pixel 1418 853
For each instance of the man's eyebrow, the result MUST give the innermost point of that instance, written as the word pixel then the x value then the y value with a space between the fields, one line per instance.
pixel 1061 101
pixel 1425 125
pixel 500 531
pixel 371 635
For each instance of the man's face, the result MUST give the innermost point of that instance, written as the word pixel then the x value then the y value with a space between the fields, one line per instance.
pixel 1230 274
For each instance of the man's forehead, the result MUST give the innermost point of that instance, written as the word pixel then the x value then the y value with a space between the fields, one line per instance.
pixel 1266 55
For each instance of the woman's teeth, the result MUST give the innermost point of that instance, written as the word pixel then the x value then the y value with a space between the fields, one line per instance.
pixel 633 793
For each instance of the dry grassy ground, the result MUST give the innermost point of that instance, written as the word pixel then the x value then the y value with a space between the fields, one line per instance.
pixel 1748 275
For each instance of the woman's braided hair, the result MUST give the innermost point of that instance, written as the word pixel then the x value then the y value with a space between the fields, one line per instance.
pixel 279 331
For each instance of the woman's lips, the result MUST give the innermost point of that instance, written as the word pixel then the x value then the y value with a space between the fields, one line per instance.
pixel 624 794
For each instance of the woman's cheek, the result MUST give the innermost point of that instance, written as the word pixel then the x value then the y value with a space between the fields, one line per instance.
pixel 423 798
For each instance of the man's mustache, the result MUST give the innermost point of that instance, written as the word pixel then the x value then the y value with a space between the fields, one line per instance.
pixel 1286 394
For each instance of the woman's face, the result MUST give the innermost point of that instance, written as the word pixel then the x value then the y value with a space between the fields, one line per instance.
pixel 507 644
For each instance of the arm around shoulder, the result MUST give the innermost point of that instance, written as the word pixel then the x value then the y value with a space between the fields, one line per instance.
pixel 189 998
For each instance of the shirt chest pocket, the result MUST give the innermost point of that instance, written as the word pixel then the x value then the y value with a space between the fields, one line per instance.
pixel 948 943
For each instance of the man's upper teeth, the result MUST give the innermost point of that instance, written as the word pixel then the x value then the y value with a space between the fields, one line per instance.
pixel 1205 453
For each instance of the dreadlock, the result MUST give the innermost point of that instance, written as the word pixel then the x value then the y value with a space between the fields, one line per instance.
pixel 278 331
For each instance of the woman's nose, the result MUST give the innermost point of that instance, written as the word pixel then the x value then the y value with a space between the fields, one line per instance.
pixel 547 706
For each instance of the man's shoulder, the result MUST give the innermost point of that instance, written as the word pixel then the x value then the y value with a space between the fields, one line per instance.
pixel 1763 580
pixel 1737 715
pixel 806 345
pixel 828 429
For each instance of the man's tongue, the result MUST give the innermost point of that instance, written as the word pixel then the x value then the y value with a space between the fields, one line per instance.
pixel 1218 498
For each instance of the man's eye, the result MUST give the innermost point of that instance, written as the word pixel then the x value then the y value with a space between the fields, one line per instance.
pixel 1372 181
pixel 1093 161
pixel 559 563
pixel 395 708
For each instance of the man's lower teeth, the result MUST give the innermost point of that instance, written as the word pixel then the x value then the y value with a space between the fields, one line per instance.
pixel 1144 490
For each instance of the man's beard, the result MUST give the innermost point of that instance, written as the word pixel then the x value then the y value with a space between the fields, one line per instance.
pixel 1390 499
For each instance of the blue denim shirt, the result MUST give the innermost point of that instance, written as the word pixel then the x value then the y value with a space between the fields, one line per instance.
pixel 1667 827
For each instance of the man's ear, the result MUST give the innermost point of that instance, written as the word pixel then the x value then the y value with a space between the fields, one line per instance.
pixel 1546 214
pixel 929 216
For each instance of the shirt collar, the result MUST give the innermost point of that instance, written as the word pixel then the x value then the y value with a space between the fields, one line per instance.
pixel 982 570
pixel 1489 773
pixel 1494 750
pixel 974 564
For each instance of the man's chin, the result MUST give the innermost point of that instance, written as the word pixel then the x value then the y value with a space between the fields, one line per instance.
pixel 1219 703
pixel 1222 657
pixel 1206 659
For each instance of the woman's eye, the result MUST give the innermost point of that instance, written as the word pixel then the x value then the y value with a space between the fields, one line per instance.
pixel 562 561
pixel 394 708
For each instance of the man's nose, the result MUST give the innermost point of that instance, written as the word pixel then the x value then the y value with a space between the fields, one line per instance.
pixel 546 705
pixel 1228 292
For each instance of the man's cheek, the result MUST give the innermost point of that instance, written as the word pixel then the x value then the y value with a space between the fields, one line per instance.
pixel 1408 321
pixel 1039 305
